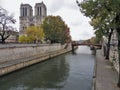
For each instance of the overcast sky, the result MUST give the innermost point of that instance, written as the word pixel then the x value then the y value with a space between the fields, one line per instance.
pixel 67 9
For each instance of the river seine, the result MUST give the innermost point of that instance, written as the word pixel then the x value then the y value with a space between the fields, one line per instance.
pixel 71 71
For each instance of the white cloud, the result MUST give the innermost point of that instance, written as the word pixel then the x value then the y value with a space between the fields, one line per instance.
pixel 55 5
pixel 79 24
pixel 71 4
pixel 68 10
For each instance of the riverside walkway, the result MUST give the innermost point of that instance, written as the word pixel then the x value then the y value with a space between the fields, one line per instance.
pixel 106 77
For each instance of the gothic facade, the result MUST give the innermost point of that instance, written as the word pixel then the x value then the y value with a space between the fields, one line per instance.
pixel 28 19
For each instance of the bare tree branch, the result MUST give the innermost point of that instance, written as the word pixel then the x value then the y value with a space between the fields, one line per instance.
pixel 5 21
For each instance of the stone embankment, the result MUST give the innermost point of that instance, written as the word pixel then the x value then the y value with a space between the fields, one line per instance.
pixel 105 76
pixel 15 57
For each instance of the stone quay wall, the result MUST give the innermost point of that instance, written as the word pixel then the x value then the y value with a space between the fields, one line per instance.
pixel 114 57
pixel 15 56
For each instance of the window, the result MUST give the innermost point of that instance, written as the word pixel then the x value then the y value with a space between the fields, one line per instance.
pixel 37 11
pixel 40 11
pixel 25 11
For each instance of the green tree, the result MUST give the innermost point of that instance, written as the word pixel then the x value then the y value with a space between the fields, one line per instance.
pixel 35 34
pixel 102 27
pixel 101 19
pixel 23 39
pixel 109 14
pixel 54 28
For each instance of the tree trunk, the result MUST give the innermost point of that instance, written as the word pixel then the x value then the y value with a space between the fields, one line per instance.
pixel 3 39
pixel 118 31
pixel 117 22
pixel 108 44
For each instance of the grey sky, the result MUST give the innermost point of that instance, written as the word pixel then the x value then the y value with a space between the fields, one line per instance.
pixel 68 10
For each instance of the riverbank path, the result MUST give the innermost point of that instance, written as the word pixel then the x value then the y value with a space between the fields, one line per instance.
pixel 106 76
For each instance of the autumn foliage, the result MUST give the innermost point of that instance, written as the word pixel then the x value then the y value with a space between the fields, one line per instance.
pixel 33 34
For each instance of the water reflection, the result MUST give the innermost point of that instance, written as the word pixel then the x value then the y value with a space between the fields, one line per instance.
pixel 51 74
pixel 65 72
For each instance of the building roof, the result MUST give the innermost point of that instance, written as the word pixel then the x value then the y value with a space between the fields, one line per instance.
pixel 25 5
pixel 37 4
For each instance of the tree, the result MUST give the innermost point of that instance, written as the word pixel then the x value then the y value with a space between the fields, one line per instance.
pixel 102 27
pixel 101 19
pixel 34 34
pixel 6 29
pixel 55 29
pixel 108 11
pixel 23 39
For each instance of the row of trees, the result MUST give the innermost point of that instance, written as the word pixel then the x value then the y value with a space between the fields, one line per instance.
pixel 105 18
pixel 52 29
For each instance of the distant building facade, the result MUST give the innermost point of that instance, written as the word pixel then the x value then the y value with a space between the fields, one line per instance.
pixel 28 19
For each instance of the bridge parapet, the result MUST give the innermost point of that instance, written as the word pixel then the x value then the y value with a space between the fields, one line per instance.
pixel 97 46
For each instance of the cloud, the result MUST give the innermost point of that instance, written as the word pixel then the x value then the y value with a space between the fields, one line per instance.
pixel 0 2
pixel 54 5
pixel 81 32
pixel 70 16
pixel 68 10
pixel 79 24
pixel 76 23
pixel 71 4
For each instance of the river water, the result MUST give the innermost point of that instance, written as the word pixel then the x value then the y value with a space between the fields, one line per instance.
pixel 65 72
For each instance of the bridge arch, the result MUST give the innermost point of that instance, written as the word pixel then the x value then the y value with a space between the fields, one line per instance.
pixel 97 46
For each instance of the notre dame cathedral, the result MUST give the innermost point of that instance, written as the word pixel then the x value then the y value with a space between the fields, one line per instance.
pixel 28 19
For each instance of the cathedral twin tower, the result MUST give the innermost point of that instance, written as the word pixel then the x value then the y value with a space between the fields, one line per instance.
pixel 28 19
